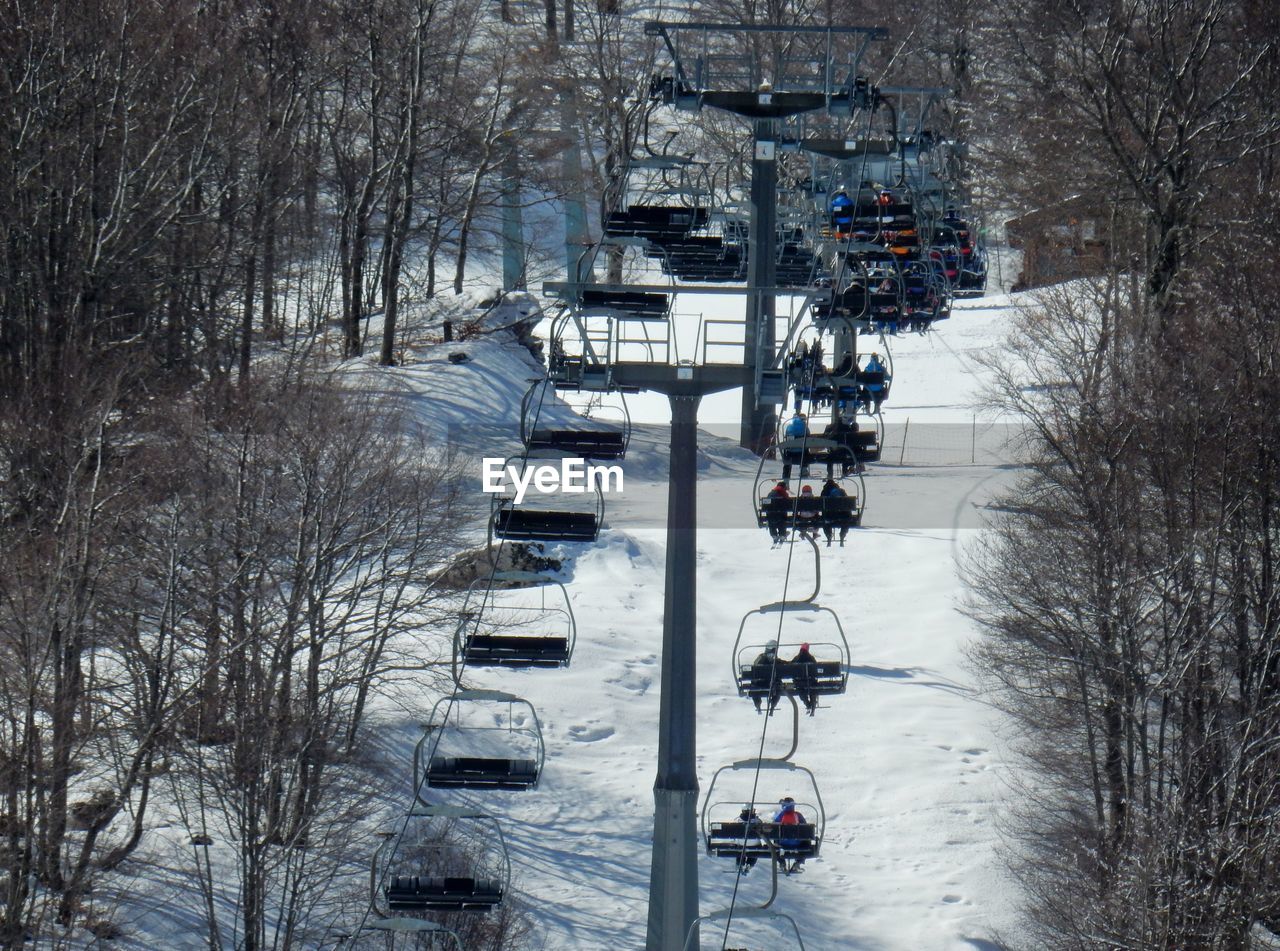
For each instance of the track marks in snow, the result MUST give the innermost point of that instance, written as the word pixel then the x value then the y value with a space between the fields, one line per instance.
pixel 590 734
pixel 637 675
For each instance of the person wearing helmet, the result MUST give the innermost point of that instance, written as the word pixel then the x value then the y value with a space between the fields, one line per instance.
pixel 804 675
pixel 797 428
pixel 787 819
pixel 764 677
pixel 776 506
pixel 808 513
pixel 875 389
pixel 841 207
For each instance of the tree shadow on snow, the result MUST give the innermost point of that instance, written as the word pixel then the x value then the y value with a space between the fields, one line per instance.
pixel 908 674
pixel 982 944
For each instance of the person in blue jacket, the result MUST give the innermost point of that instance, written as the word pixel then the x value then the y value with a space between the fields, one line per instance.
pixel 876 389
pixel 841 212
pixel 797 428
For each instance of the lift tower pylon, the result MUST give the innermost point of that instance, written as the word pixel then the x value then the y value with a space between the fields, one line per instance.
pixel 757 420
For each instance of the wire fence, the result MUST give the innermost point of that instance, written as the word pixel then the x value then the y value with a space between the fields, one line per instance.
pixel 975 443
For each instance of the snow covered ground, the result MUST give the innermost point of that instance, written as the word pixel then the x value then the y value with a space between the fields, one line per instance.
pixel 908 762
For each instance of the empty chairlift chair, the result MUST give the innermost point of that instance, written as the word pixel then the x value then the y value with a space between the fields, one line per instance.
pixel 650 305
pixel 657 223
pixel 557 517
pixel 448 859
pixel 502 624
pixel 749 918
pixel 604 434
pixel 459 749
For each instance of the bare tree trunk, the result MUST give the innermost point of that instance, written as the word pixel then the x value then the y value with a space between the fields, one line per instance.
pixel 400 211
pixel 483 166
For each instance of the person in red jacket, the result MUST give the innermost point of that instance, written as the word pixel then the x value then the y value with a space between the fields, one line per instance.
pixel 777 506
pixel 787 815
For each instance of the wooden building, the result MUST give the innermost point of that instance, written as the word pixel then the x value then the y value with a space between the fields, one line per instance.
pixel 1059 242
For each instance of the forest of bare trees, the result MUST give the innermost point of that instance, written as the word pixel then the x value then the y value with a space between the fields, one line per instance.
pixel 1129 591
pixel 212 548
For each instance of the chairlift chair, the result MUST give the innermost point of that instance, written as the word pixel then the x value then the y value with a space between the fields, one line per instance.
pixel 578 353
pixel 438 764
pixel 649 210
pixel 545 518
pixel 604 436
pixel 831 511
pixel 845 386
pixel 727 835
pixel 493 633
pixel 448 859
pixel 743 914
pixel 825 676
pixel 649 305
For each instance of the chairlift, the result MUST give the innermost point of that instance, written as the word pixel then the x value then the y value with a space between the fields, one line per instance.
pixel 884 297
pixel 609 300
pixel 658 209
pixel 972 279
pixel 603 435
pixel 833 512
pixel 448 859
pixel 702 258
pixel 457 752
pixel 419 934
pixel 494 632
pixel 825 676
pixel 848 390
pixel 925 296
pixel 973 275
pixel 744 914
pixel 727 834
pixel 944 253
pixel 546 517
pixel 874 383
pixel 873 293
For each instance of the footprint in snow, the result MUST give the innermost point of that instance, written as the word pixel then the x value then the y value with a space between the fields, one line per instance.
pixel 632 680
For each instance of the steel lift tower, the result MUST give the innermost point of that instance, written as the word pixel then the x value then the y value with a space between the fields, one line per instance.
pixel 764 74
